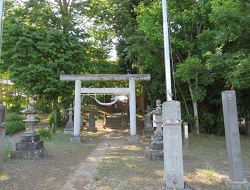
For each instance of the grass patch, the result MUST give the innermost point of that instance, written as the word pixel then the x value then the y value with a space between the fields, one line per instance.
pixel 125 168
pixel 205 164
pixel 209 171
pixel 3 177
pixel 49 173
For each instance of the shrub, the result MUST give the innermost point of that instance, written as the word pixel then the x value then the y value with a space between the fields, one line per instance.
pixel 14 123
pixel 58 123
pixel 191 121
pixel 45 132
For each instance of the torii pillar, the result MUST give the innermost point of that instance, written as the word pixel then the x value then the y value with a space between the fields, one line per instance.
pixel 104 77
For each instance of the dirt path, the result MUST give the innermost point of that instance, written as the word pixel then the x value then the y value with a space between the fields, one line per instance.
pixel 85 171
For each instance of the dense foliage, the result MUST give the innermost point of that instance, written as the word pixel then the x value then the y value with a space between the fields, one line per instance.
pixel 209 42
pixel 14 123
pixel 209 52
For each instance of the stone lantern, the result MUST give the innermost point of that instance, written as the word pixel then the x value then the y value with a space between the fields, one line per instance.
pixel 30 146
pixel 157 118
pixel 31 118
pixel 155 149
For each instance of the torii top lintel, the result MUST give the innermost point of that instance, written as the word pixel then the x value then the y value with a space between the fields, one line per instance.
pixel 104 77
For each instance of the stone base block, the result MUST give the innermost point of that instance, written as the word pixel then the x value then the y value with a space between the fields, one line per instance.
pixel 30 138
pixel 134 139
pixel 186 187
pixel 76 139
pixel 29 154
pixel 185 143
pixel 68 131
pixel 236 185
pixel 147 133
pixel 154 155
pixel 92 129
pixel 156 145
pixel 29 145
pixel 157 137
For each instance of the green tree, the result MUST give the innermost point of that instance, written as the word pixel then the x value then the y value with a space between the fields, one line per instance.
pixel 36 51
pixel 115 25
pixel 232 35
pixel 231 55
pixel 187 19
pixel 197 76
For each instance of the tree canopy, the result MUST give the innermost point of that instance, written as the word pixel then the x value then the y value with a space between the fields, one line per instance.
pixel 209 42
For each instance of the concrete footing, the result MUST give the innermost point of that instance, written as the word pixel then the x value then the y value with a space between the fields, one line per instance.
pixel 134 139
pixel 236 185
pixel 76 139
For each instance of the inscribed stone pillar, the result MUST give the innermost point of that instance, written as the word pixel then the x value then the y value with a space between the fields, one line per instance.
pixel 148 125
pixel 77 108
pixel 2 133
pixel 236 179
pixel 172 143
pixel 232 135
pixel 92 121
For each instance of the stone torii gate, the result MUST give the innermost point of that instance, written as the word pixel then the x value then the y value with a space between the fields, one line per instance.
pixel 104 77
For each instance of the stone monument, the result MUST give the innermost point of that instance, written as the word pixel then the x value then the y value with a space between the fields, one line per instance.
pixel 236 179
pixel 69 129
pixel 185 135
pixel 173 158
pixel 185 129
pixel 2 134
pixel 30 147
pixel 91 126
pixel 155 149
pixel 148 125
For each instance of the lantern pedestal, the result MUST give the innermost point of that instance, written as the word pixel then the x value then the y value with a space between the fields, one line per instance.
pixel 30 146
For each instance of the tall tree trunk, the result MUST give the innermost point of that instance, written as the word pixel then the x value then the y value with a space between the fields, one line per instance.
pixel 195 107
pixel 143 98
pixel 184 100
pixel 55 112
